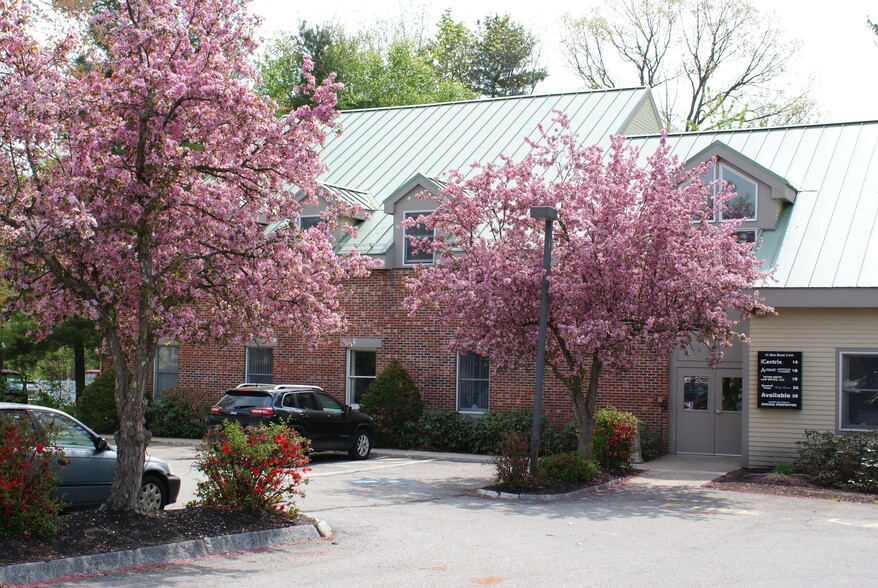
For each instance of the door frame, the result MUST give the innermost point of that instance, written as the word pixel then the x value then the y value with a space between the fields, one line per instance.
pixel 738 357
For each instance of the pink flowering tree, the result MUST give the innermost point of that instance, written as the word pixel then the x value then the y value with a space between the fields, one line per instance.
pixel 637 263
pixel 136 191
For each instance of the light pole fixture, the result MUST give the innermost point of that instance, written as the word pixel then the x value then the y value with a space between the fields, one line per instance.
pixel 549 214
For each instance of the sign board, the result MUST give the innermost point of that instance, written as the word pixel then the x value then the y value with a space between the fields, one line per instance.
pixel 779 378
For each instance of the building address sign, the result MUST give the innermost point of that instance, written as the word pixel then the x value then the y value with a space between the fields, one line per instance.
pixel 779 379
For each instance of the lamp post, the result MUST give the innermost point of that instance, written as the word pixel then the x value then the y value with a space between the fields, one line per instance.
pixel 549 214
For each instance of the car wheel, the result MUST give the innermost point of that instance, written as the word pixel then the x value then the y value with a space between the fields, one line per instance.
pixel 362 446
pixel 153 495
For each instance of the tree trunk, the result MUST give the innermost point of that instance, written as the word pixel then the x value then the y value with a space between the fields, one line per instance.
pixel 584 408
pixel 132 437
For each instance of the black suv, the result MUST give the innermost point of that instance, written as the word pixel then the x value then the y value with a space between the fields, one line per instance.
pixel 314 414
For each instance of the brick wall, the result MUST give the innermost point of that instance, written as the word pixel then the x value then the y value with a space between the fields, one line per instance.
pixel 373 306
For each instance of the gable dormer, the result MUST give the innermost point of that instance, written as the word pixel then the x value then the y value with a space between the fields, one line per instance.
pixel 761 194
pixel 404 203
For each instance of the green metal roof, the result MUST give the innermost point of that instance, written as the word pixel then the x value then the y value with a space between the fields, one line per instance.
pixel 383 148
pixel 829 237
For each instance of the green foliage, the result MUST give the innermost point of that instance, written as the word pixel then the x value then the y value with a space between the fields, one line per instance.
pixel 392 400
pixel 569 437
pixel 783 467
pixel 489 430
pixel 848 460
pixel 439 430
pixel 512 462
pixel 650 443
pixel 375 72
pixel 569 467
pixel 96 406
pixel 178 413
pixel 27 481
pixel 448 430
pixel 256 467
pixel 614 437
pixel 503 60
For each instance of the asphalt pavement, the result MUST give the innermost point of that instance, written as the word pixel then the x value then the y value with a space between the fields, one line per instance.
pixel 404 519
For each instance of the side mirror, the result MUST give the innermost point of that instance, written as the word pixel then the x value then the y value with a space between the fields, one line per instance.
pixel 102 444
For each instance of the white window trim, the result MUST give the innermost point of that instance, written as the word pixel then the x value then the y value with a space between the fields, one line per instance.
pixel 840 386
pixel 470 410
pixel 155 370
pixel 349 390
pixel 405 242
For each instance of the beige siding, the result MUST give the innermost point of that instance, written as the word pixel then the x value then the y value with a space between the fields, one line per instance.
pixel 818 334
pixel 644 122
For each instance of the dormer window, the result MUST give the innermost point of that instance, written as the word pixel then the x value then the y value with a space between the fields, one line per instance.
pixel 743 204
pixel 419 231
pixel 306 222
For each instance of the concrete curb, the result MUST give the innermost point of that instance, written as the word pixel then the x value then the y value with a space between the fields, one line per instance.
pixel 42 571
pixel 550 497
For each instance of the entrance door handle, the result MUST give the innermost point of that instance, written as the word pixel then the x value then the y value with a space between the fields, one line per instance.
pixel 719 411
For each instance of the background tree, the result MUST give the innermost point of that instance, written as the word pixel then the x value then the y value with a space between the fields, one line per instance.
pixel 504 59
pixel 451 49
pixel 134 194
pixel 75 339
pixel 632 272
pixel 715 63
pixel 375 70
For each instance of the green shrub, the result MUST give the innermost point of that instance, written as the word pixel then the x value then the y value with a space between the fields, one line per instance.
pixel 568 439
pixel 438 430
pixel 569 467
pixel 27 481
pixel 513 463
pixel 178 413
pixel 489 430
pixel 254 467
pixel 783 467
pixel 96 406
pixel 614 437
pixel 650 443
pixel 392 400
pixel 844 461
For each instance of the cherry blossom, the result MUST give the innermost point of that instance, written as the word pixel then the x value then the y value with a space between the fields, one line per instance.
pixel 155 192
pixel 637 263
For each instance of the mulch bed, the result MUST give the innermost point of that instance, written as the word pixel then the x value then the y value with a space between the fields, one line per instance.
pixel 784 485
pixel 99 531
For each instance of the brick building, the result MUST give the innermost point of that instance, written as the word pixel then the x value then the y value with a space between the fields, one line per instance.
pixel 805 193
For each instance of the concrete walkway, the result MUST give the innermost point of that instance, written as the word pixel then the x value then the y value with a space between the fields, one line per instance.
pixel 685 470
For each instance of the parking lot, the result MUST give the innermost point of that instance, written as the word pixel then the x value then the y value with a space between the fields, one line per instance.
pixel 406 522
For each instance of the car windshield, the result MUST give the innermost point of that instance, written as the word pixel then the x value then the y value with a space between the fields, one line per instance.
pixel 245 399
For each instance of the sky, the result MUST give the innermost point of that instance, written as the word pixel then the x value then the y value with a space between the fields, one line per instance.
pixel 838 50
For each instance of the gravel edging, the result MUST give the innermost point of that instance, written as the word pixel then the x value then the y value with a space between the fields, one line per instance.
pixel 42 571
pixel 551 497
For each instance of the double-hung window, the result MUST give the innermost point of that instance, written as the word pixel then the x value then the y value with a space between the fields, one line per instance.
pixel 858 390
pixel 167 368
pixel 361 372
pixel 473 382
pixel 419 231
pixel 260 365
